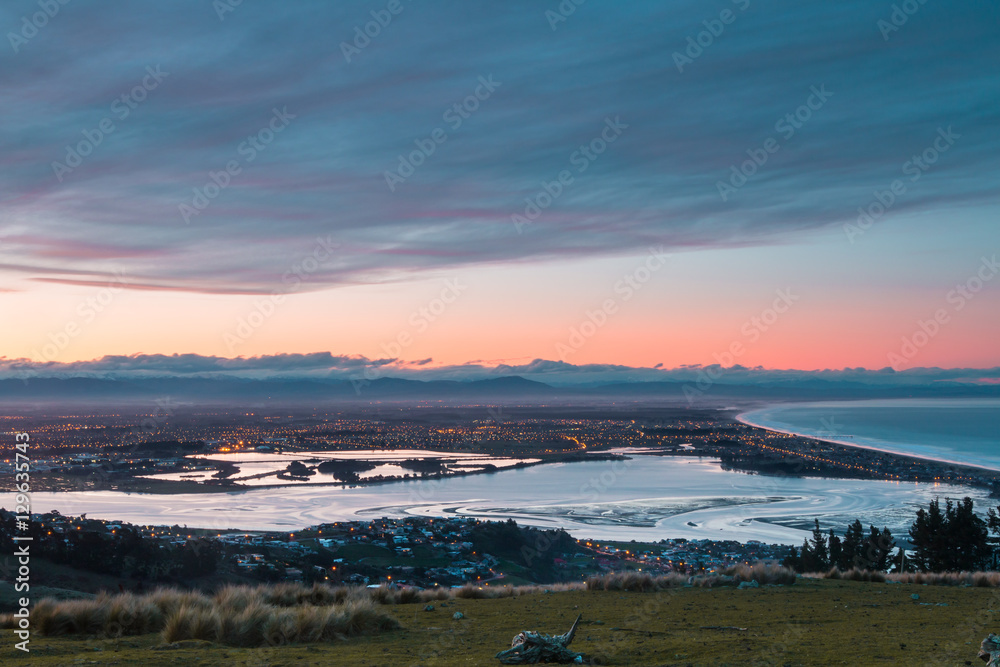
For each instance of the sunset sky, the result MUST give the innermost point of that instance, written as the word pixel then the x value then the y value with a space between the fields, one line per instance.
pixel 226 180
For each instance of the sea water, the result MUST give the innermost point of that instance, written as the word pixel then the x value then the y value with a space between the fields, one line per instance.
pixel 954 430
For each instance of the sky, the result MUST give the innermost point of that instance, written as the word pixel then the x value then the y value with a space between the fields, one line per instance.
pixel 646 186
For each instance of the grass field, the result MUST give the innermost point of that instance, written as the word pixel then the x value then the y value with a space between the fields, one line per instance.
pixel 814 622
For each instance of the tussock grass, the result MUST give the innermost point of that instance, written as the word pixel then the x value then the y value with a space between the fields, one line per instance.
pixel 267 625
pixel 259 624
pixel 473 592
pixel 242 616
pixel 986 579
pixel 977 579
pixel 131 615
pixel 170 600
pixel 641 582
pixel 246 627
pixel 386 595
pixel 854 574
pixel 762 573
pixel 71 617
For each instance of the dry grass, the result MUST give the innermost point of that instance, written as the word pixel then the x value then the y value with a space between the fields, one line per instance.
pixel 236 615
pixel 113 616
pixel 854 574
pixel 71 617
pixel 977 579
pixel 170 600
pixel 250 616
pixel 267 625
pixel 473 592
pixel 641 582
pixel 762 573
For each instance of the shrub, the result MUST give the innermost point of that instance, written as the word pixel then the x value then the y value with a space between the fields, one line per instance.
pixel 762 573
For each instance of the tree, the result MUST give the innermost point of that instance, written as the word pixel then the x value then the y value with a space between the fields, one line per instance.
pixel 805 558
pixel 818 554
pixel 850 552
pixel 993 523
pixel 954 540
pixel 967 538
pixel 878 549
pixel 836 550
pixel 927 535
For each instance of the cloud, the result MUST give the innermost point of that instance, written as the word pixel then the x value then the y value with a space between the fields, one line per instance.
pixel 325 366
pixel 323 176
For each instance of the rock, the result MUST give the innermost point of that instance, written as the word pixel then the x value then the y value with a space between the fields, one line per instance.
pixel 458 616
pixel 914 597
pixel 429 607
pixel 748 584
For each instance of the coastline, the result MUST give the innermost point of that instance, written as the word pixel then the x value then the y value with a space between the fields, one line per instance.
pixel 914 451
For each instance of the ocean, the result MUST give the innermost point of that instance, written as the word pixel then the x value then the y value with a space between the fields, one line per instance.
pixel 955 430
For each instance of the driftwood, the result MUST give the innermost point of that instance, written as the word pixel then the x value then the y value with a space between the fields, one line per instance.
pixel 530 648
pixel 989 651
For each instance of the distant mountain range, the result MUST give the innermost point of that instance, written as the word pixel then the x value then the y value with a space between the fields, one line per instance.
pixel 508 389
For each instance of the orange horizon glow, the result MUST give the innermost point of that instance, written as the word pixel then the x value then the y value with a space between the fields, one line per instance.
pixel 695 310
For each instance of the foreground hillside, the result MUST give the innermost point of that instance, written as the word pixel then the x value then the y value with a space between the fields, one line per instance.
pixel 811 623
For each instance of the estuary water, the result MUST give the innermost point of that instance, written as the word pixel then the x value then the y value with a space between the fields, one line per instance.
pixel 644 498
pixel 955 430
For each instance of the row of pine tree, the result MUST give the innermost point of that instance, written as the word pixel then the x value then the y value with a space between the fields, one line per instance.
pixel 952 538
